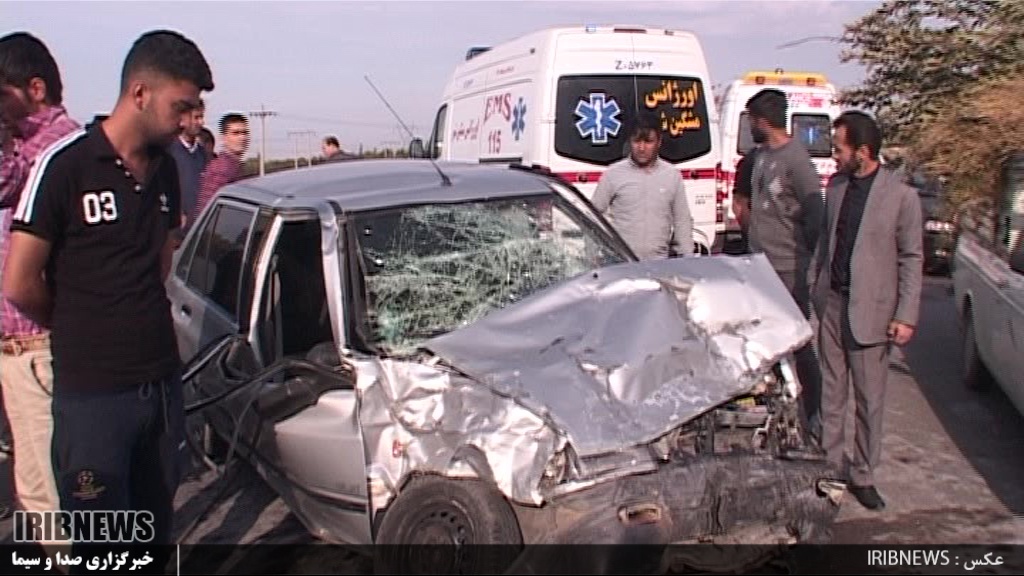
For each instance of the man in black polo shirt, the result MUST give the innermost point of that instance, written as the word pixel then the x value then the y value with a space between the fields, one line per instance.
pixel 89 254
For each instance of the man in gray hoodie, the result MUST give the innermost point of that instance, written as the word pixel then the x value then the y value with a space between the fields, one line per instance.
pixel 644 200
pixel 786 217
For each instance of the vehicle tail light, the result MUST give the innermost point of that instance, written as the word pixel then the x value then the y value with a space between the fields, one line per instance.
pixel 721 194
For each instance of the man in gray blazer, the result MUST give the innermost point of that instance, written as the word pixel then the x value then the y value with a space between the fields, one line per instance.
pixel 866 278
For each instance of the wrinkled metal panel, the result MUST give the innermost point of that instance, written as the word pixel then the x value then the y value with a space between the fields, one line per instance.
pixel 620 356
pixel 417 417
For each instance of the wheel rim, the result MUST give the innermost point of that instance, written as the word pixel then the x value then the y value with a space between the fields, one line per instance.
pixel 442 524
pixel 437 537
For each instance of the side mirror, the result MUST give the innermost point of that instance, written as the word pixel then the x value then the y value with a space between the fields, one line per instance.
pixel 416 149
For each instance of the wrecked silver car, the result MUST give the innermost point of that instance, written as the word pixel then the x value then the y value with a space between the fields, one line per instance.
pixel 482 360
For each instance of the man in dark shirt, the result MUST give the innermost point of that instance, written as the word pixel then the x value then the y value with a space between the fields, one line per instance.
pixel 191 157
pixel 741 193
pixel 866 277
pixel 332 152
pixel 90 251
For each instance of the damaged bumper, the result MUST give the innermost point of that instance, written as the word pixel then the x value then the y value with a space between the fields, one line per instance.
pixel 704 500
pixel 720 499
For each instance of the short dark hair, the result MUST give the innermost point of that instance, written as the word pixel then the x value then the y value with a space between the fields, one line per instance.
pixel 24 57
pixel 332 141
pixel 231 118
pixel 646 123
pixel 861 130
pixel 771 105
pixel 168 53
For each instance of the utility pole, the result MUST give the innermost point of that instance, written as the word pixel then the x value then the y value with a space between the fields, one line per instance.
pixel 262 114
pixel 295 134
pixel 309 134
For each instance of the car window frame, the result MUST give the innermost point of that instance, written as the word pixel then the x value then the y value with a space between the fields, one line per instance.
pixel 261 271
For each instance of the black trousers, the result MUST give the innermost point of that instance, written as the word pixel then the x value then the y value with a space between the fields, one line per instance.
pixel 808 367
pixel 121 450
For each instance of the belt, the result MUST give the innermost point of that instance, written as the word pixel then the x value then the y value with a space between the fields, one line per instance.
pixel 16 345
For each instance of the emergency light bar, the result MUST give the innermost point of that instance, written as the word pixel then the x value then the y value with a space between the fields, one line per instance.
pixel 591 28
pixel 780 78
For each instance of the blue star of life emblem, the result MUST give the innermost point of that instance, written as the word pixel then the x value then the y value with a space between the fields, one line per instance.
pixel 518 119
pixel 598 118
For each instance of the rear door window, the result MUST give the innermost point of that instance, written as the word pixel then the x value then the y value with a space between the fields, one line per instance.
pixel 216 268
pixel 744 140
pixel 596 113
pixel 815 132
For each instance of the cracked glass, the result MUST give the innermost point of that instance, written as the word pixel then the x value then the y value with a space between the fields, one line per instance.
pixel 428 270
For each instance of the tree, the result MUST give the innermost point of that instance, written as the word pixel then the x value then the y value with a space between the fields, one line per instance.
pixel 968 138
pixel 921 54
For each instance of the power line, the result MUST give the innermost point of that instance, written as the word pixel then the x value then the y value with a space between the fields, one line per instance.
pixel 809 39
pixel 334 121
pixel 309 134
pixel 262 114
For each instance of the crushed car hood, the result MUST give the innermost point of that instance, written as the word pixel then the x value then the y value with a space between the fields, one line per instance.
pixel 622 355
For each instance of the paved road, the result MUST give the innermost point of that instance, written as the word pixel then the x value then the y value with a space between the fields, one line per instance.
pixel 952 470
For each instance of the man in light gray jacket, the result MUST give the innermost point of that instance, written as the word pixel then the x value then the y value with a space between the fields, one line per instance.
pixel 644 199
pixel 866 278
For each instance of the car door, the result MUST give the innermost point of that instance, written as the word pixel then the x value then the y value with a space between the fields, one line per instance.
pixel 210 287
pixel 1013 304
pixel 307 407
pixel 978 273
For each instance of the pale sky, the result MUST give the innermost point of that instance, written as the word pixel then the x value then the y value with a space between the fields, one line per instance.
pixel 307 60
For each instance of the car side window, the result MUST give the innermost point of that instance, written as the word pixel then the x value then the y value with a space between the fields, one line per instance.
pixel 216 266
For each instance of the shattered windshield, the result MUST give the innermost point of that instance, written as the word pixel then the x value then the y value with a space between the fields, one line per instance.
pixel 430 269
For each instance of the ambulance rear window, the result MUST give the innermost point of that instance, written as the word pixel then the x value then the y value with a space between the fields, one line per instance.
pixel 596 113
pixel 744 140
pixel 815 133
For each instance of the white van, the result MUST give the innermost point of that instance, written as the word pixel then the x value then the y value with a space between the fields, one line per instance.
pixel 565 99
pixel 812 108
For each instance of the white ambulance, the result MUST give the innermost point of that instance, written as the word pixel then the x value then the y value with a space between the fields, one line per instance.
pixel 565 100
pixel 812 108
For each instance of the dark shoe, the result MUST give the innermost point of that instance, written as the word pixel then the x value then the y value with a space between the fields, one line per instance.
pixel 6 511
pixel 867 496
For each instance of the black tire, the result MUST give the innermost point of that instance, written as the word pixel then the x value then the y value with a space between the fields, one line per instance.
pixel 436 526
pixel 976 374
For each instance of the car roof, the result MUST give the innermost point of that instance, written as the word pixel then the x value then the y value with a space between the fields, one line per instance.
pixel 360 185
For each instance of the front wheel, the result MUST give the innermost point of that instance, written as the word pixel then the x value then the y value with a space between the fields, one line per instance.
pixel 436 523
